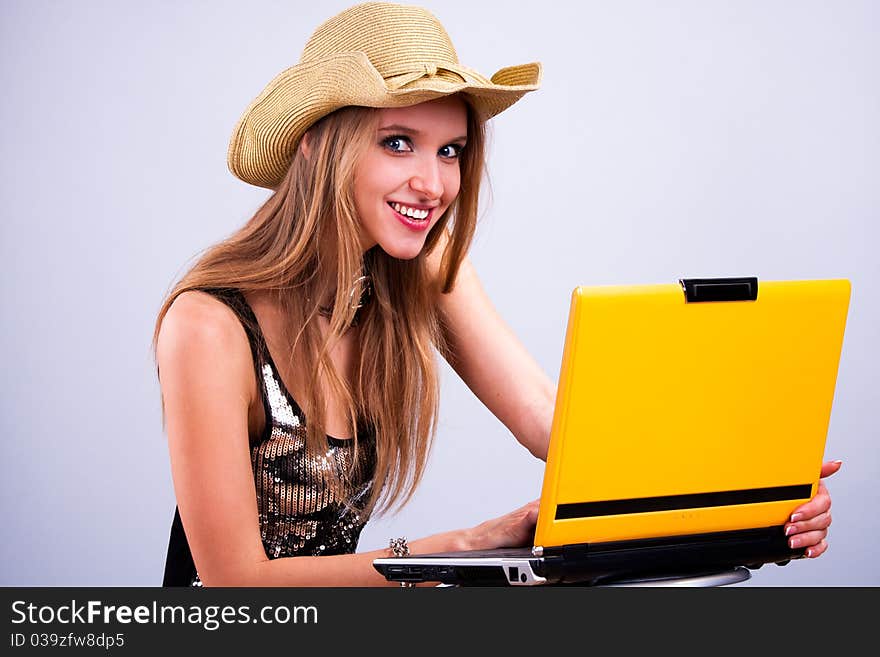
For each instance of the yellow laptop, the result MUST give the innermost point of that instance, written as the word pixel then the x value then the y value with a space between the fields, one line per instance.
pixel 690 420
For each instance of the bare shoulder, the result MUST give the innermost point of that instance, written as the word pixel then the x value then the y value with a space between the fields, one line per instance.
pixel 201 337
pixel 195 314
pixel 197 319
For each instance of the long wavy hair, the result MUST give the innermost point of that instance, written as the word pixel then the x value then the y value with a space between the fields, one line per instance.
pixel 303 246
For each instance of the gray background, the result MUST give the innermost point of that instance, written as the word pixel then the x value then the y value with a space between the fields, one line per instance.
pixel 669 139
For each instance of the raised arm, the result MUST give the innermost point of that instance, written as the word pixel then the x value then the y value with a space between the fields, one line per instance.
pixel 494 364
pixel 208 386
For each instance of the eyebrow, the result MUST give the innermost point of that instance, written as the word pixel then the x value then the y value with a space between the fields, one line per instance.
pixel 396 127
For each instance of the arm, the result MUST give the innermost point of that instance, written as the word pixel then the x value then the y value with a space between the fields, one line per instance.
pixel 497 368
pixel 208 386
pixel 493 363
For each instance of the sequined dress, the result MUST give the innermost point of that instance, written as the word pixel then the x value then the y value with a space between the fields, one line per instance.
pixel 299 513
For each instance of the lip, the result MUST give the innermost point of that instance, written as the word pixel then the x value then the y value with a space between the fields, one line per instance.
pixel 413 224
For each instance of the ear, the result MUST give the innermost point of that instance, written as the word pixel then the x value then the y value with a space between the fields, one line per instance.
pixel 305 144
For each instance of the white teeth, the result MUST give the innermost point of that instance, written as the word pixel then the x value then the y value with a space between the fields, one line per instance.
pixel 412 213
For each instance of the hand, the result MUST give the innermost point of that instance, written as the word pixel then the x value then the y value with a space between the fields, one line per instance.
pixel 809 522
pixel 515 529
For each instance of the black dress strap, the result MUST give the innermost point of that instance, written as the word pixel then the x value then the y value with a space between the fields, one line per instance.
pixel 234 298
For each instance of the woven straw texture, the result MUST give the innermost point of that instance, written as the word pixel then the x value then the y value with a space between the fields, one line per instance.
pixel 376 54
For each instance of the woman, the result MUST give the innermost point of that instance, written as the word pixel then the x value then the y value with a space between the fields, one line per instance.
pixel 296 358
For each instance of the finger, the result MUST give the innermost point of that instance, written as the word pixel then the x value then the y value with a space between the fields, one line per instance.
pixel 816 550
pixel 820 503
pixel 532 515
pixel 528 513
pixel 829 468
pixel 808 540
pixel 822 521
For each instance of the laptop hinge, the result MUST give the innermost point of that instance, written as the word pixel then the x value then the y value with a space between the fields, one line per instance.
pixel 697 290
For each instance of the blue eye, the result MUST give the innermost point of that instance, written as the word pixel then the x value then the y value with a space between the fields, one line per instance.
pixel 451 151
pixel 397 144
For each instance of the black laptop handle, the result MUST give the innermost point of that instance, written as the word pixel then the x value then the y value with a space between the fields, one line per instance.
pixel 697 290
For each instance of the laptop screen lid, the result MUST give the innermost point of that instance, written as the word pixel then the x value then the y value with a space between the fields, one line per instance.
pixel 690 408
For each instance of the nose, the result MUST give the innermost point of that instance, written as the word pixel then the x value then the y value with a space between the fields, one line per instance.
pixel 427 180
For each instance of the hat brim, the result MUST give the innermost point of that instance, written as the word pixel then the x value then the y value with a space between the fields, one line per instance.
pixel 268 132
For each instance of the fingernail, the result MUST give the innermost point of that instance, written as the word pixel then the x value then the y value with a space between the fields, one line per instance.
pixel 789 530
pixel 838 462
pixel 793 543
pixel 795 517
pixel 809 552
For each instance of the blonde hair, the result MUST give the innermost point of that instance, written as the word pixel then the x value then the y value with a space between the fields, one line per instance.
pixel 303 245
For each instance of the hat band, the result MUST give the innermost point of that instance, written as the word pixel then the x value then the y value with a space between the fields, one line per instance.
pixel 426 70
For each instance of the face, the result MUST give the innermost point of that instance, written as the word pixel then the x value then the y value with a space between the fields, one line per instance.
pixel 410 175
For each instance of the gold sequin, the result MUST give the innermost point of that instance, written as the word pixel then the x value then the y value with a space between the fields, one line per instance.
pixel 300 512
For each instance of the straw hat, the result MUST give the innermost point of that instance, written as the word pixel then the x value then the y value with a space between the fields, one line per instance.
pixel 376 54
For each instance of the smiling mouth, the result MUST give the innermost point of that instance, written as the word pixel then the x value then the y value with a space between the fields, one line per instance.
pixel 413 214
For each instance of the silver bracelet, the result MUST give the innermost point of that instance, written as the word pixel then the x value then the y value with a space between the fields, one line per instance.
pixel 400 548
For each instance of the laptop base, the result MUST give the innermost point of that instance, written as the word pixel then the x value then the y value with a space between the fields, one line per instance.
pixel 597 563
